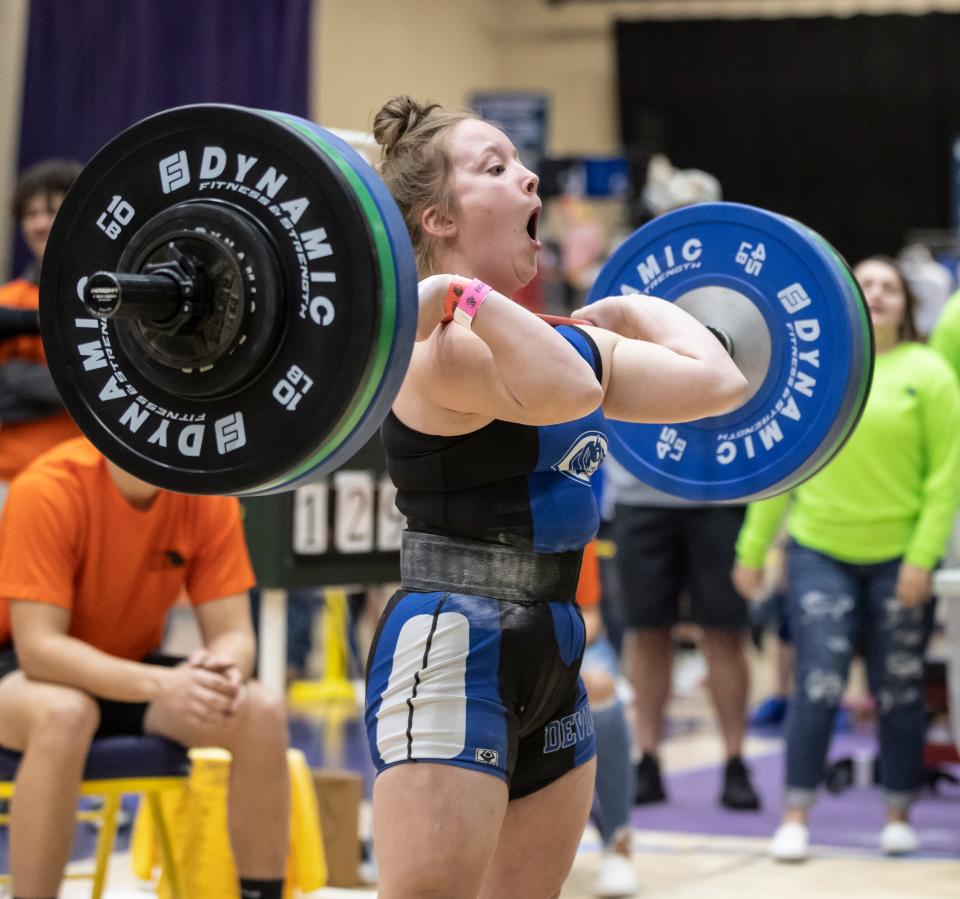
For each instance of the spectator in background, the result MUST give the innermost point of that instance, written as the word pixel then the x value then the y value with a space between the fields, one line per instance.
pixel 91 560
pixel 929 282
pixel 866 533
pixel 32 417
pixel 945 339
pixel 302 605
pixel 945 336
pixel 666 545
pixel 614 785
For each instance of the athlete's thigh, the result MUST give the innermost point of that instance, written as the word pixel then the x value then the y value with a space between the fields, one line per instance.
pixel 436 685
pixel 23 701
pixel 539 838
pixel 435 828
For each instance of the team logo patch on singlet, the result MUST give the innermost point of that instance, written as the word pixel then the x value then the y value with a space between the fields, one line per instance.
pixel 584 457
pixel 487 756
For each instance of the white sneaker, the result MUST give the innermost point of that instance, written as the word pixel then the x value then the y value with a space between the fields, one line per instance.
pixel 791 842
pixel 617 876
pixel 899 838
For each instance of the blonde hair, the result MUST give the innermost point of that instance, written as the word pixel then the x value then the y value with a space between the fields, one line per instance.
pixel 415 166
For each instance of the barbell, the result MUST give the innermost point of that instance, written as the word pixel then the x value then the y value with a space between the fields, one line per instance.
pixel 228 304
pixel 18 322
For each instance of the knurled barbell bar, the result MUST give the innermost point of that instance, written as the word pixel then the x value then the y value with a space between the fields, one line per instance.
pixel 229 304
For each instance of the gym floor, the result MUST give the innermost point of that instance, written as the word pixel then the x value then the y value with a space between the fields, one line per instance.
pixel 690 847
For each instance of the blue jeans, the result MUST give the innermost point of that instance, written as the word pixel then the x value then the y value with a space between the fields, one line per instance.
pixel 836 609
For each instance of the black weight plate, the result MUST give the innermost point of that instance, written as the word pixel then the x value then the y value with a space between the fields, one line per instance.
pixel 254 437
pixel 399 302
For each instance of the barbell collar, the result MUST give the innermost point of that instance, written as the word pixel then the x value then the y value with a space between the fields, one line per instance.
pixel 725 339
pixel 153 298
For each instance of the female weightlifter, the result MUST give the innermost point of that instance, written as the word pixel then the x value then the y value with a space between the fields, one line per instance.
pixel 477 720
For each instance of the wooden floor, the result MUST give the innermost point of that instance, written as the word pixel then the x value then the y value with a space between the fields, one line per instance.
pixel 676 866
pixel 671 865
pixel 693 864
pixel 705 866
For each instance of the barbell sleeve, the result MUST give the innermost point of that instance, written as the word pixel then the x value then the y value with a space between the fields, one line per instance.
pixel 153 298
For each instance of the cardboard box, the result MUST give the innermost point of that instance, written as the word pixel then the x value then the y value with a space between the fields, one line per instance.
pixel 339 794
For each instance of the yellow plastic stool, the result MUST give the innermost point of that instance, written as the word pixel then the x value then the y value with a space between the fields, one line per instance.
pixel 200 838
pixel 150 766
pixel 335 685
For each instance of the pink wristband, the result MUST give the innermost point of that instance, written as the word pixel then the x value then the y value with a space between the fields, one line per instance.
pixel 473 296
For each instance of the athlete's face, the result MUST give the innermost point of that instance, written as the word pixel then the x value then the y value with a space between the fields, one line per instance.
pixel 37 219
pixel 885 295
pixel 496 209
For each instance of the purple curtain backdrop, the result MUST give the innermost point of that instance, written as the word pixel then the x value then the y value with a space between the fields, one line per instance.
pixel 94 67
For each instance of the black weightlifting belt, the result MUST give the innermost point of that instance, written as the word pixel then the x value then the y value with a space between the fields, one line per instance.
pixel 429 562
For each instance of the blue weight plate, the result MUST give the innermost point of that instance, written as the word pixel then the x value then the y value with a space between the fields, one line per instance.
pixel 386 222
pixel 744 269
pixel 861 360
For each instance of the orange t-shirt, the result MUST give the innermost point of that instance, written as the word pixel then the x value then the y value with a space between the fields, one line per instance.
pixel 68 537
pixel 21 442
pixel 588 587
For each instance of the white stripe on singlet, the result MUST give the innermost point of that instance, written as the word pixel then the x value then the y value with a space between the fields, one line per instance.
pixel 423 710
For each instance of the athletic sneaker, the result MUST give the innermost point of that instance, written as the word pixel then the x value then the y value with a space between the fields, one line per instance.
pixel 738 793
pixel 649 782
pixel 791 842
pixel 617 876
pixel 898 838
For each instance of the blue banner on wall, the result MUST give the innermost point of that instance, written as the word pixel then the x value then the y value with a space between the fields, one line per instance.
pixel 606 177
pixel 525 117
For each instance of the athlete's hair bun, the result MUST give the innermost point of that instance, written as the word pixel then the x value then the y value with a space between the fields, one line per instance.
pixel 397 117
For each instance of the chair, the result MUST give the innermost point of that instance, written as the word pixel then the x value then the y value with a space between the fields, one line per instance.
pixel 118 765
pixel 199 831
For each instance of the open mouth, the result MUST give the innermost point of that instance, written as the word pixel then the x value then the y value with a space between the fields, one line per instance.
pixel 533 223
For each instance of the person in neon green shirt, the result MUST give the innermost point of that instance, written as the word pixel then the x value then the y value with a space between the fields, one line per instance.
pixel 865 534
pixel 945 336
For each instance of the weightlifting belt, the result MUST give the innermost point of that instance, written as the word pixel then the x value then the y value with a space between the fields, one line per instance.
pixel 430 562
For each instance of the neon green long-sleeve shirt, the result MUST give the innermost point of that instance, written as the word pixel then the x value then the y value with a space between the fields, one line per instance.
pixel 893 490
pixel 945 337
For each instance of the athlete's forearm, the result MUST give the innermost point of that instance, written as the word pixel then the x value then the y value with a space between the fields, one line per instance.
pixel 665 323
pixel 539 367
pixel 543 374
pixel 62 659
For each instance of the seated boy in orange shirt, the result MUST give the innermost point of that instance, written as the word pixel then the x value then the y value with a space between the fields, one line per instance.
pixel 616 875
pixel 91 560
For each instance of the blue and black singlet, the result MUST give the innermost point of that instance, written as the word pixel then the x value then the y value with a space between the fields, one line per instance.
pixel 521 485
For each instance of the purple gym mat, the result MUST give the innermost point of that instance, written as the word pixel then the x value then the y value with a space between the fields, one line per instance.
pixel 851 820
